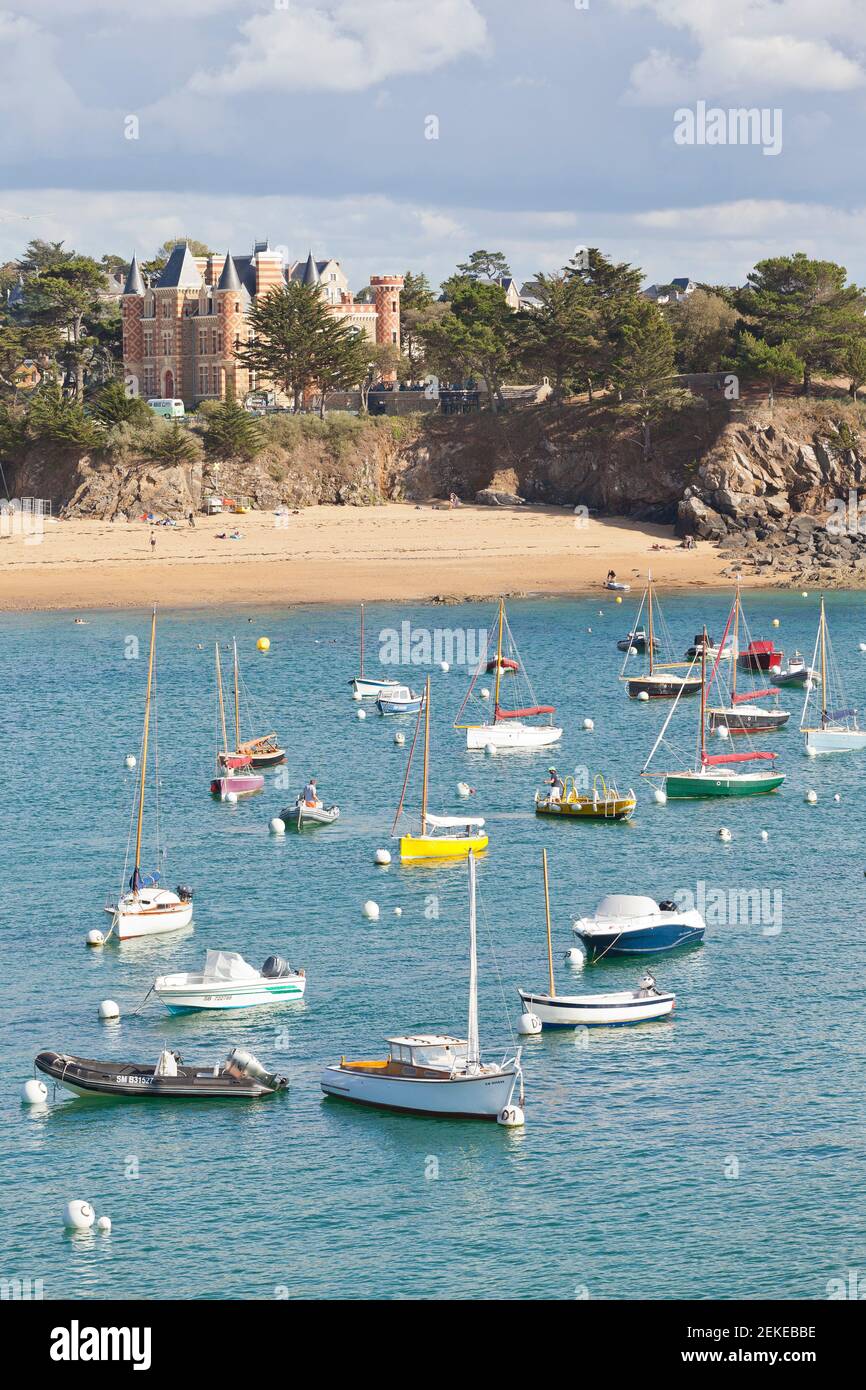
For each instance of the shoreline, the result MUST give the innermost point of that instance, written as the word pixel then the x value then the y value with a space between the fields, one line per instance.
pixel 331 554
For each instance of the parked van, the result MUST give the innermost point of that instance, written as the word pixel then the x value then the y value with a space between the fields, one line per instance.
pixel 172 409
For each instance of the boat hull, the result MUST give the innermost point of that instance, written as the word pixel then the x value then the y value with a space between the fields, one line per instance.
pixel 482 1097
pixel 302 817
pixel 650 940
pixel 662 687
pixel 441 846
pixel 834 740
pixel 369 689
pixel 260 760
pixel 84 1077
pixel 511 734
pixel 152 915
pixel 620 808
pixel 221 995
pixel 246 785
pixel 556 1011
pixel 386 706
pixel 748 719
pixel 683 786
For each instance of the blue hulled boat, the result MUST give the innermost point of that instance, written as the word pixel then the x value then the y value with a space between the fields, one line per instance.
pixel 625 925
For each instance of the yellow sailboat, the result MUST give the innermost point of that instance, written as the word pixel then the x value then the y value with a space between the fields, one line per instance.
pixel 440 837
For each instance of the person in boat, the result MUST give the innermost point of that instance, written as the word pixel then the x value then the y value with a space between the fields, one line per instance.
pixel 556 784
pixel 311 795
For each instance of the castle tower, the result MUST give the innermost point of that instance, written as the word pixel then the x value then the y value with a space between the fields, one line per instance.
pixel 386 292
pixel 269 268
pixel 131 312
pixel 230 300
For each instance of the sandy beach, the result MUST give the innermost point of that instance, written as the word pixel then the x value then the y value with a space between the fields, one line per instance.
pixel 340 554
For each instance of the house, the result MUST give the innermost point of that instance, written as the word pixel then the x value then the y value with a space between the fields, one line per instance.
pixel 181 332
pixel 673 293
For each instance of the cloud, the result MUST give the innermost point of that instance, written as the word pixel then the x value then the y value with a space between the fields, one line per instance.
pixel 349 46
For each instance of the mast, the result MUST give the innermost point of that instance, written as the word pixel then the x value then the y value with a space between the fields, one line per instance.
pixel 473 1051
pixel 237 699
pixel 426 757
pixel 498 659
pixel 703 740
pixel 547 918
pixel 141 783
pixel 222 708
pixel 649 590
pixel 735 654
pixel 823 665
pixel 362 639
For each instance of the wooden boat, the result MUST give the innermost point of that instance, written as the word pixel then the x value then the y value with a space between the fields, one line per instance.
pixel 714 774
pixel 240 1076
pixel 235 773
pixel 505 664
pixel 760 656
pixel 436 1073
pixel 304 814
pixel 604 802
pixel 147 909
pixel 662 680
pixel 629 925
pixel 399 699
pixel 441 837
pixel 837 730
pixel 508 727
pixel 745 714
pixel 368 687
pixel 590 1010
pixel 264 751
pixel 228 982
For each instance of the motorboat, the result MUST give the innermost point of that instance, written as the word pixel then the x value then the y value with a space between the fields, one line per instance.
pixel 307 813
pixel 594 1010
pixel 797 672
pixel 616 586
pixel 636 642
pixel 240 1076
pixel 760 656
pixel 506 664
pixel 399 699
pixel 603 802
pixel 625 924
pixel 229 982
pixel 436 1073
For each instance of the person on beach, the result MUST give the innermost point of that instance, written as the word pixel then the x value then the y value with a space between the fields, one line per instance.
pixel 191 520
pixel 152 542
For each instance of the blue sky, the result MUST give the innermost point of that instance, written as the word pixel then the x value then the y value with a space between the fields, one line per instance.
pixel 305 121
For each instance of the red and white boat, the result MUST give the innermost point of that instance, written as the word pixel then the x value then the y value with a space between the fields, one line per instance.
pixel 236 776
pixel 508 727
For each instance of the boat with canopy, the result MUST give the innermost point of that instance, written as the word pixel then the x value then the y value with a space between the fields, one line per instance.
pixel 227 981
pixel 836 728
pixel 603 802
pixel 236 775
pixel 744 714
pixel 145 908
pixel 437 1073
pixel 661 680
pixel 508 727
pixel 368 687
pixel 713 774
pixel 440 837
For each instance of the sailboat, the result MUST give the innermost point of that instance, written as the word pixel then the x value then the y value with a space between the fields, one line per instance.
pixel 588 1010
pixel 440 837
pixel 145 908
pixel 660 682
pixel 435 1073
pixel 743 714
pixel 714 774
pixel 368 687
pixel 838 730
pixel 507 729
pixel 263 751
pixel 235 774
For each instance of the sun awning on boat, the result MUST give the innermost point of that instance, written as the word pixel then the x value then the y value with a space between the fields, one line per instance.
pixel 524 713
pixel 450 822
pixel 841 713
pixel 713 759
pixel 744 697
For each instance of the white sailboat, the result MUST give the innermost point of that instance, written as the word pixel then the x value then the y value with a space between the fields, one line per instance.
pixel 838 730
pixel 508 727
pixel 145 908
pixel 435 1073
pixel 368 687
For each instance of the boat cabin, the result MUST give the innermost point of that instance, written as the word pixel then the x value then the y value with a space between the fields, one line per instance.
pixel 424 1055
pixel 399 694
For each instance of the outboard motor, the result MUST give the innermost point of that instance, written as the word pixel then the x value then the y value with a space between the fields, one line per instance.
pixel 242 1063
pixel 184 893
pixel 647 984
pixel 275 968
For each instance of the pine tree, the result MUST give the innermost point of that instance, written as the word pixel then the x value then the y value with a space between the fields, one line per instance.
pixel 232 432
pixel 645 370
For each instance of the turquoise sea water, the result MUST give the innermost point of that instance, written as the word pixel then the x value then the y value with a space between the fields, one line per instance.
pixel 720 1155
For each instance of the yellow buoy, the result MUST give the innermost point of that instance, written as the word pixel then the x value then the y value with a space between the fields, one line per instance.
pixel 619 598
pixel 264 644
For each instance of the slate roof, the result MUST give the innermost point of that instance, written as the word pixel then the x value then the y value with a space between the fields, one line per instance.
pixel 134 283
pixel 181 271
pixel 229 278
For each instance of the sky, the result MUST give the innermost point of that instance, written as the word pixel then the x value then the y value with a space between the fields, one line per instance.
pixel 403 134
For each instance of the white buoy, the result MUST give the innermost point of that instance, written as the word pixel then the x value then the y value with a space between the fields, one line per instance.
pixel 643 696
pixel 78 1216
pixel 836 797
pixel 103 1224
pixel 490 749
pixel 765 835
pixel 232 798
pixel 775 622
pixel 444 666
pixel 589 629
pixel 95 938
pixel 725 834
pixel 356 695
pixel 632 651
pixel 398 912
pixel 277 826
pixel 512 1117
pixel 485 693
pixel 371 910
pixel 130 760
pixel 362 714
pixel 775 670
pixel 34 1092
pixel 464 789
pixel 108 1009
pixel 660 796
pixel 399 739
pixel 804 594
pixel 810 684
pixel 575 958
pixel 811 750
pixel 723 731
pixel 529 1025
pixel 862 646
pixel 811 797
pixel 382 856
pixel 589 725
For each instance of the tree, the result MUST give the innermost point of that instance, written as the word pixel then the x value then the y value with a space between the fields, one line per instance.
pixel 773 363
pixel 478 333
pixel 112 406
pixel 63 297
pixel 484 265
pixel 558 329
pixel 342 355
pixel 296 342
pixel 417 307
pixel 383 360
pixel 806 303
pixel 20 342
pixel 645 371
pixel 42 255
pixel 231 431
pixel 57 419
pixel 171 445
pixel 703 327
pixel 615 298
pixel 855 365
